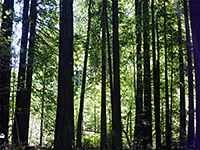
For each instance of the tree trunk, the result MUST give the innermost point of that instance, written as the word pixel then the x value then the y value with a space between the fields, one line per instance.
pixel 116 108
pixel 139 99
pixel 147 79
pixel 80 117
pixel 156 88
pixel 5 71
pixel 109 54
pixel 171 109
pixel 64 132
pixel 190 138
pixel 195 24
pixel 158 85
pixel 168 132
pixel 33 15
pixel 182 89
pixel 42 105
pixel 103 89
pixel 20 110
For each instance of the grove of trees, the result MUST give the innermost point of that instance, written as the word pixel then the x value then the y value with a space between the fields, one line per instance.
pixel 100 74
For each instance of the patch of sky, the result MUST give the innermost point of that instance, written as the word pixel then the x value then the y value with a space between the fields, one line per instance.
pixel 17 27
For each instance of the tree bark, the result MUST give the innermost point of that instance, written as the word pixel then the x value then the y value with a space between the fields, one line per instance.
pixel 42 105
pixel 5 71
pixel 20 110
pixel 158 82
pixel 182 89
pixel 147 79
pixel 33 15
pixel 103 89
pixel 195 23
pixel 64 132
pixel 80 117
pixel 190 138
pixel 139 99
pixel 167 124
pixel 116 108
pixel 109 56
pixel 156 88
pixel 171 88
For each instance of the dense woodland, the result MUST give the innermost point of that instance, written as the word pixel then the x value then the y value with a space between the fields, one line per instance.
pixel 100 74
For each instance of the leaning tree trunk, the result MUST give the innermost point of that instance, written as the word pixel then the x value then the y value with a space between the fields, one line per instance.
pixel 64 132
pixel 80 117
pixel 195 24
pixel 190 138
pixel 5 71
pixel 20 109
pixel 116 108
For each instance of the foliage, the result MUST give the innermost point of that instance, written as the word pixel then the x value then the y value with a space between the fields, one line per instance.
pixel 44 91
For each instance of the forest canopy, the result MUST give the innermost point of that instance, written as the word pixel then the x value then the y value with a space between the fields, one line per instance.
pixel 100 74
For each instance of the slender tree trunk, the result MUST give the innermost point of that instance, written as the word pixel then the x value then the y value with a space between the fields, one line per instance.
pixel 139 99
pixel 5 71
pixel 103 89
pixel 182 89
pixel 195 24
pixel 116 108
pixel 155 76
pixel 20 108
pixel 80 117
pixel 158 80
pixel 109 53
pixel 190 138
pixel 168 132
pixel 130 125
pixel 147 79
pixel 42 106
pixel 64 132
pixel 13 95
pixel 95 118
pixel 171 109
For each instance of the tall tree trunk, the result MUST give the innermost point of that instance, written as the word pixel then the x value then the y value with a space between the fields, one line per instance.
pixel 109 53
pixel 147 79
pixel 195 24
pixel 155 77
pixel 168 132
pixel 158 86
pixel 171 88
pixel 5 71
pixel 182 89
pixel 42 105
pixel 103 89
pixel 20 108
pixel 190 138
pixel 80 117
pixel 64 132
pixel 116 108
pixel 33 15
pixel 139 99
